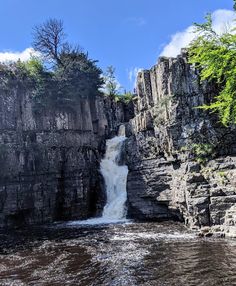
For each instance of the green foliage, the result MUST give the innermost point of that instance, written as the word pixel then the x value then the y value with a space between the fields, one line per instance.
pixel 34 67
pixel 111 85
pixel 30 70
pixel 77 77
pixel 202 149
pixel 222 174
pixel 234 5
pixel 128 97
pixel 215 56
pixel 62 75
pixel 26 74
pixel 202 152
pixel 72 76
pixel 223 177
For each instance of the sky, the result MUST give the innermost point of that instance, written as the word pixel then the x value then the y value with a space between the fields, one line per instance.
pixel 127 34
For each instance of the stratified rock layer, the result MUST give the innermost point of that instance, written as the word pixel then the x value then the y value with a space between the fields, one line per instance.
pixel 50 159
pixel 181 161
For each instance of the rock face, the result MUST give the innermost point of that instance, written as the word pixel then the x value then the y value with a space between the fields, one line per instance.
pixel 50 157
pixel 49 160
pixel 181 161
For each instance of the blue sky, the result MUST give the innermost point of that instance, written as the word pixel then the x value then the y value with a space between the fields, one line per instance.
pixel 128 34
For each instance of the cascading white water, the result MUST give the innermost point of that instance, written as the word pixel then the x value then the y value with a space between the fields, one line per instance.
pixel 115 177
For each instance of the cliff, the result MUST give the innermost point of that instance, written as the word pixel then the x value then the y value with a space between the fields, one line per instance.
pixel 182 162
pixel 50 159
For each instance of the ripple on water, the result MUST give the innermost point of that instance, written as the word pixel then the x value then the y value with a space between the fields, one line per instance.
pixel 116 254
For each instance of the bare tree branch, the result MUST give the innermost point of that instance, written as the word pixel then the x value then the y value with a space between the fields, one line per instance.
pixel 48 39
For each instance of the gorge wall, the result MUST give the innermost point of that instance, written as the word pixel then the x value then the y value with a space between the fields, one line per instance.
pixel 182 162
pixel 50 159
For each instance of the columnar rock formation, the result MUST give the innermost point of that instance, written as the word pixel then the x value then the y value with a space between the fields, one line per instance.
pixel 50 159
pixel 47 159
pixel 182 162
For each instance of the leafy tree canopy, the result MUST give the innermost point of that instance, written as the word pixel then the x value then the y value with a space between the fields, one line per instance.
pixel 215 56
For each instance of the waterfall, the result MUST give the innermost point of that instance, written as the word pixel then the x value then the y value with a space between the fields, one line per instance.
pixel 115 177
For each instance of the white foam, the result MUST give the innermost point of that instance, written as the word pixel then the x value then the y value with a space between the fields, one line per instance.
pixel 128 236
pixel 115 177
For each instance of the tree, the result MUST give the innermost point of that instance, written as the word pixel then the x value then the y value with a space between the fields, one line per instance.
pixel 73 74
pixel 234 5
pixel 215 56
pixel 111 86
pixel 78 76
pixel 49 39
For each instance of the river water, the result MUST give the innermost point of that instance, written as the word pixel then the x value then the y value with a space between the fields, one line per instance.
pixel 157 254
pixel 98 252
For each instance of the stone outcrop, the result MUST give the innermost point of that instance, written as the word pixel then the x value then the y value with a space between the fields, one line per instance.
pixel 116 113
pixel 181 161
pixel 50 159
pixel 50 156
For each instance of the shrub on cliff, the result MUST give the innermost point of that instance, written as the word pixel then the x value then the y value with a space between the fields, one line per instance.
pixel 111 85
pixel 127 97
pixel 24 74
pixel 112 88
pixel 215 56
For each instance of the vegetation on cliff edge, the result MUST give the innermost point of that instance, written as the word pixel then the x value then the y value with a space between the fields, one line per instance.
pixel 113 89
pixel 215 56
pixel 61 74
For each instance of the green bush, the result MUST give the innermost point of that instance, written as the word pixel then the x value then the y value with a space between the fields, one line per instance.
pixel 202 152
pixel 215 56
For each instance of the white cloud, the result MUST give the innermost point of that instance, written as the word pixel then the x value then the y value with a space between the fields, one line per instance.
pixel 15 56
pixel 223 20
pixel 132 75
pixel 178 41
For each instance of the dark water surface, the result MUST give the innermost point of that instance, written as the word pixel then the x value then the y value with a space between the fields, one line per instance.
pixel 122 254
